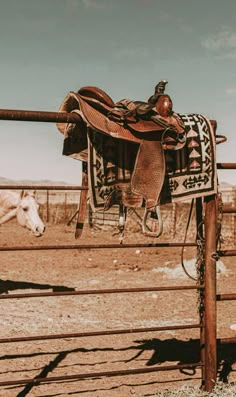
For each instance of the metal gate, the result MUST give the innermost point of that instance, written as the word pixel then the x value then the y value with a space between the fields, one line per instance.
pixel 206 284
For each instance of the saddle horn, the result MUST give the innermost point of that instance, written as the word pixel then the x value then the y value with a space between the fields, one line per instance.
pixel 159 90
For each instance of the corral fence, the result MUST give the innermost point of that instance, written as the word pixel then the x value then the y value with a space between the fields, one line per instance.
pixel 206 219
pixel 61 206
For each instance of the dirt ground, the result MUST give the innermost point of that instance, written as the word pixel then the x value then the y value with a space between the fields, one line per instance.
pixel 45 271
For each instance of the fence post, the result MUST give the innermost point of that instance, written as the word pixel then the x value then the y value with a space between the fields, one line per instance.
pixel 65 205
pixel 174 219
pixel 234 217
pixel 210 293
pixel 47 205
pixel 201 281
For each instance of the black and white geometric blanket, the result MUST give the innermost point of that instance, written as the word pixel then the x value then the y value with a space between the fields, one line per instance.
pixel 190 171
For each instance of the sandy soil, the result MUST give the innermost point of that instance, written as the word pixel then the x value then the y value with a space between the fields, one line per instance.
pixel 45 271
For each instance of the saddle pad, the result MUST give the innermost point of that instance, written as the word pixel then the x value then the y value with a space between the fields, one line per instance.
pixel 190 172
pixel 110 163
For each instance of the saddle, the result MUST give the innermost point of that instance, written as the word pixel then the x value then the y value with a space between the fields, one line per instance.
pixel 125 145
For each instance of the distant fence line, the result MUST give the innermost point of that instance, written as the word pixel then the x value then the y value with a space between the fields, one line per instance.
pixel 59 207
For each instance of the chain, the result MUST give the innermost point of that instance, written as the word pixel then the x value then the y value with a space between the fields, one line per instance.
pixel 200 262
pixel 219 237
pixel 200 267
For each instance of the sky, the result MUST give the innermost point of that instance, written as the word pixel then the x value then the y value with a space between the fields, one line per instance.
pixel 125 47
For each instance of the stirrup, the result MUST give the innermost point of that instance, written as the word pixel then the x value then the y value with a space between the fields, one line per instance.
pixel 145 228
pixel 122 219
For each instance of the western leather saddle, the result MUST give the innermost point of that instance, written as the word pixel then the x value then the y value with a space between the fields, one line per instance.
pixel 138 132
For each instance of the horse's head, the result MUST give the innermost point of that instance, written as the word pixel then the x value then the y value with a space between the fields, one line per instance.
pixel 27 214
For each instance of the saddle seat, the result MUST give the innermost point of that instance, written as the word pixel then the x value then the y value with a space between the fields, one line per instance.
pixel 135 115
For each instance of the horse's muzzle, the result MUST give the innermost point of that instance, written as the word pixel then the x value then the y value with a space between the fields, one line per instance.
pixel 39 231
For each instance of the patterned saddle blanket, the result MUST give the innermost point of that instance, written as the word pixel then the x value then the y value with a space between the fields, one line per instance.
pixel 139 155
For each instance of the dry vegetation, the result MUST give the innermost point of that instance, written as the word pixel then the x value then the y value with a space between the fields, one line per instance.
pixel 220 390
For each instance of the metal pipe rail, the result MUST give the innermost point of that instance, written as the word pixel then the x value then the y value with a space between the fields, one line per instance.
pixel 99 333
pixel 226 340
pixel 101 291
pixel 226 253
pixel 93 246
pixel 225 297
pixel 43 187
pixel 226 166
pixel 134 371
pixel 229 210
pixel 39 116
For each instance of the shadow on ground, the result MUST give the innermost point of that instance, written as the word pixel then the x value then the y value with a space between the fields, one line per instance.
pixel 161 351
pixel 9 285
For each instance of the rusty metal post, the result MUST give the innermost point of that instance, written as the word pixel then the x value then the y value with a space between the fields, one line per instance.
pixel 201 281
pixel 234 217
pixel 210 293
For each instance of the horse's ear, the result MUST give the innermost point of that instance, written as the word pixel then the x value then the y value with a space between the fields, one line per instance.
pixel 33 193
pixel 22 193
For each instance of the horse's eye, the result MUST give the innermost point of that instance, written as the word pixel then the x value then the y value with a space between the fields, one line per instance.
pixel 25 209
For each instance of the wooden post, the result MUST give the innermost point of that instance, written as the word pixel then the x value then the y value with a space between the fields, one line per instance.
pixel 65 205
pixel 210 293
pixel 47 205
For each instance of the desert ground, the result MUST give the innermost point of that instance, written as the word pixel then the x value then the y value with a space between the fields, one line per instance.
pixel 81 269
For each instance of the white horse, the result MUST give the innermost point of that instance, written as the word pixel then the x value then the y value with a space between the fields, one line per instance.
pixel 24 207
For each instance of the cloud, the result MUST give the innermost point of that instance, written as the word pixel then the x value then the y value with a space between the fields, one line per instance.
pixel 225 40
pixel 231 91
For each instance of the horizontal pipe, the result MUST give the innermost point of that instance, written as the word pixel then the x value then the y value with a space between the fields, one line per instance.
pixel 226 166
pixel 227 253
pixel 39 116
pixel 134 371
pixel 225 297
pixel 91 246
pixel 98 333
pixel 43 187
pixel 226 340
pixel 229 210
pixel 101 291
